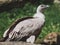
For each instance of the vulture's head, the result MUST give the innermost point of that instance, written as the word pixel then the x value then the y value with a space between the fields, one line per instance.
pixel 42 7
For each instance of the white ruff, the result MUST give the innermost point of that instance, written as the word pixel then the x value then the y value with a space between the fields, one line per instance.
pixel 40 16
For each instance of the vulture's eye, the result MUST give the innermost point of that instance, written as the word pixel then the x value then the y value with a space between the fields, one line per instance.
pixel 42 6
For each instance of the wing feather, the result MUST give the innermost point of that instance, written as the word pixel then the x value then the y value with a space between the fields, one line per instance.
pixel 14 24
pixel 23 28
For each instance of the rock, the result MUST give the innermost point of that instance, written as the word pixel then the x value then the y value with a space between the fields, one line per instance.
pixel 56 1
pixel 8 1
pixel 53 38
pixel 17 43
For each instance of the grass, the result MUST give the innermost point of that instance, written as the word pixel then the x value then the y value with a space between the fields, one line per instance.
pixel 52 15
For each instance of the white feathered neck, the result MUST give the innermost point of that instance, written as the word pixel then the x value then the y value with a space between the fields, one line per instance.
pixel 39 13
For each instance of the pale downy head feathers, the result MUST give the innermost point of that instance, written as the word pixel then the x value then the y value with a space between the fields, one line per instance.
pixel 41 7
pixel 39 13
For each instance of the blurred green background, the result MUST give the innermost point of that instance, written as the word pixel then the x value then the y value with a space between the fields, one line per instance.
pixel 52 14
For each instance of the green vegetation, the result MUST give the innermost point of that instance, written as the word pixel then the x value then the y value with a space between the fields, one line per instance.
pixel 52 14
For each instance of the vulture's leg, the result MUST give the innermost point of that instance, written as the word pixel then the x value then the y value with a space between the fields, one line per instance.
pixel 31 39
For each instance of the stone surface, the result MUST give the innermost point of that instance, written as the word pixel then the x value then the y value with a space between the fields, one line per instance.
pixel 16 43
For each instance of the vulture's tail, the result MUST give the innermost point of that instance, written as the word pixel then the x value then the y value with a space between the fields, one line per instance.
pixel 3 39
